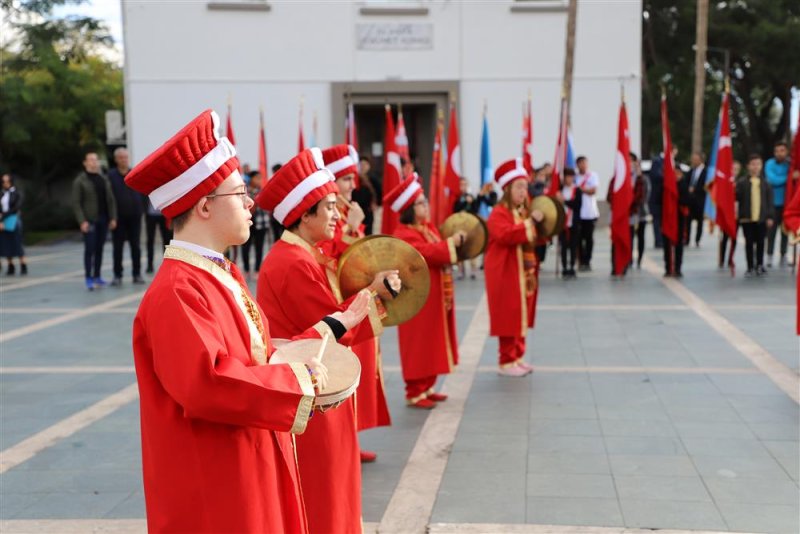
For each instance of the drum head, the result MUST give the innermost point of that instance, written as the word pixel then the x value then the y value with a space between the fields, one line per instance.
pixel 474 226
pixel 344 369
pixel 553 221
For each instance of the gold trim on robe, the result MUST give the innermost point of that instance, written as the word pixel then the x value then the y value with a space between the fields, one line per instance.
pixel 307 402
pixel 521 272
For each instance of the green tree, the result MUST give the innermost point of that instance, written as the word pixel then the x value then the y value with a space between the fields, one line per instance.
pixel 55 88
pixel 762 39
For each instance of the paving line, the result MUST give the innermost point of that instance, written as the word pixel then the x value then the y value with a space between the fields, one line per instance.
pixel 490 528
pixel 781 375
pixel 77 370
pixel 611 307
pixel 611 369
pixel 30 447
pixel 48 256
pixel 47 323
pixel 35 281
pixel 34 311
pixel 411 505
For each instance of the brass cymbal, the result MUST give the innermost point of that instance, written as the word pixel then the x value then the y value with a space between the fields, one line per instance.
pixel 553 222
pixel 372 254
pixel 474 226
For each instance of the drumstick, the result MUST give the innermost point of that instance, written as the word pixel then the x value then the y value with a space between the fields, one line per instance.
pixel 345 201
pixel 322 347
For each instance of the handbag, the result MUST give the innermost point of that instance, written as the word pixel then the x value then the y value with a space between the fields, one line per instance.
pixel 10 223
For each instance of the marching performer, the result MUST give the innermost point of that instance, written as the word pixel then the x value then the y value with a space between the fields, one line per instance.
pixel 791 225
pixel 217 455
pixel 371 408
pixel 297 281
pixel 511 268
pixel 428 342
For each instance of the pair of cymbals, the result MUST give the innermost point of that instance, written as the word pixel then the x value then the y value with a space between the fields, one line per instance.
pixel 554 218
pixel 475 228
pixel 376 253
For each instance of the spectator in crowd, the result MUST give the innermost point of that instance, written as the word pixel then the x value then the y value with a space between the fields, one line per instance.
pixel 277 228
pixel 697 197
pixel 259 228
pixel 756 214
pixel 776 171
pixel 673 252
pixel 723 240
pixel 130 206
pixel 96 213
pixel 11 226
pixel 654 202
pixel 154 219
pixel 365 195
pixel 639 209
pixel 587 181
pixel 570 196
pixel 470 203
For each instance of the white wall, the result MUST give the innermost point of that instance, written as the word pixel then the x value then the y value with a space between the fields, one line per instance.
pixel 182 58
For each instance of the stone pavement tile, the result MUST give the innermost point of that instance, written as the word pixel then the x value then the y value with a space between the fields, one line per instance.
pixel 777 402
pixel 384 473
pixel 130 508
pixel 754 414
pixel 739 467
pixel 503 506
pixel 496 462
pixel 661 488
pixel 663 446
pixel 609 356
pixel 73 505
pixel 754 384
pixel 790 464
pixel 677 359
pixel 481 441
pixel 643 427
pixel 640 513
pixel 544 444
pixel 573 395
pixel 562 411
pixel 570 485
pixel 639 464
pixel 770 518
pixel 374 503
pixel 12 321
pixel 574 511
pixel 752 490
pixel 568 463
pixel 782 448
pixel 628 412
pixel 20 481
pixel 770 431
pixel 567 427
pixel 507 424
pixel 11 504
pixel 710 429
pixel 725 447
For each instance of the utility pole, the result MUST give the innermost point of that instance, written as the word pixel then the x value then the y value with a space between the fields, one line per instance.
pixel 569 60
pixel 699 74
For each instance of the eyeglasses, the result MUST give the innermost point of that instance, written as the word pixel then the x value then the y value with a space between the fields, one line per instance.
pixel 423 202
pixel 243 196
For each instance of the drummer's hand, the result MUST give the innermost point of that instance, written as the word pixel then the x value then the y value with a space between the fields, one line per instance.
pixel 392 277
pixel 355 216
pixel 537 216
pixel 320 372
pixel 356 312
pixel 459 238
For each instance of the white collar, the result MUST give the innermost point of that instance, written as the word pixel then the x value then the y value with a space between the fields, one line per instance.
pixel 203 251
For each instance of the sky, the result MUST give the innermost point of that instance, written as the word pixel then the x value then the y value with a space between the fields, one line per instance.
pixel 108 11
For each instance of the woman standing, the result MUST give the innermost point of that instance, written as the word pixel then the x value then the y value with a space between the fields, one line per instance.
pixel 428 342
pixel 11 227
pixel 511 268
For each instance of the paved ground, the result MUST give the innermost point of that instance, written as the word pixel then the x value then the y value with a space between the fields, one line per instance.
pixel 655 405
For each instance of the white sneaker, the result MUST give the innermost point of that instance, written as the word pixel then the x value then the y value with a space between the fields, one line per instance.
pixel 513 370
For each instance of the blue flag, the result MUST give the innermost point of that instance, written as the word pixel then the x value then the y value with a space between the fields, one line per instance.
pixel 486 164
pixel 710 210
pixel 570 162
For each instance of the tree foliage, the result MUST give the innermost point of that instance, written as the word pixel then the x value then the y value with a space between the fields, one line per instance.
pixel 762 39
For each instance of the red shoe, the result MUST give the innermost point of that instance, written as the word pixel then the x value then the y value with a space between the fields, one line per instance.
pixel 367 457
pixel 422 404
pixel 437 397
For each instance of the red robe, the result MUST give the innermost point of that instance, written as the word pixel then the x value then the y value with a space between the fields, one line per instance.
pixel 293 287
pixel 371 407
pixel 791 223
pixel 216 452
pixel 428 342
pixel 512 307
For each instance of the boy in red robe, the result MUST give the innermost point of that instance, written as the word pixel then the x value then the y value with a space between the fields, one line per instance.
pixel 217 455
pixel 371 407
pixel 297 281
pixel 428 341
pixel 511 268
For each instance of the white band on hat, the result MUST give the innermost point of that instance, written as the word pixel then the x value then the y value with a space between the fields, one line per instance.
pixel 340 164
pixel 175 189
pixel 517 172
pixel 300 191
pixel 400 201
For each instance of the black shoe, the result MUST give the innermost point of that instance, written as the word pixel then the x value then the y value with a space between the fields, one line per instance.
pixel 749 273
pixel 138 280
pixel 23 269
pixel 116 282
pixel 678 275
pixel 11 270
pixel 149 269
pixel 761 271
pixel 667 275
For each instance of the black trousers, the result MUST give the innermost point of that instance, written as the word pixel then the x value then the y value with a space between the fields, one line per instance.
pixel 256 238
pixel 673 252
pixel 637 231
pixel 128 229
pixel 93 242
pixel 568 242
pixel 776 228
pixel 723 247
pixel 754 234
pixel 151 223
pixel 655 211
pixel 586 244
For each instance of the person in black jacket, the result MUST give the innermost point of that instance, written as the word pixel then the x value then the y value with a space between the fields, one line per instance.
pixel 673 253
pixel 697 198
pixel 756 214
pixel 570 196
pixel 11 226
pixel 130 208
pixel 468 202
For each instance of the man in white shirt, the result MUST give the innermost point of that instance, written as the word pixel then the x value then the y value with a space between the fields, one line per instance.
pixel 587 181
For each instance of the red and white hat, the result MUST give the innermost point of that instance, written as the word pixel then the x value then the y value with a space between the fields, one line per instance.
pixel 297 186
pixel 187 167
pixel 403 196
pixel 508 171
pixel 341 160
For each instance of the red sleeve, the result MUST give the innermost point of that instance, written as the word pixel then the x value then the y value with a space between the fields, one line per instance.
pixel 192 362
pixel 439 254
pixel 791 214
pixel 507 232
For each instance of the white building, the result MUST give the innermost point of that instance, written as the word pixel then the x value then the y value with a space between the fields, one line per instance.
pixel 183 56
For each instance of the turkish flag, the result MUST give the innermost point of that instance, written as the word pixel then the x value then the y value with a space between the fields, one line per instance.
pixel 669 209
pixel 793 180
pixel 438 198
pixel 391 173
pixel 622 196
pixel 452 173
pixel 401 139
pixel 724 180
pixel 560 159
pixel 262 149
pixel 527 138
